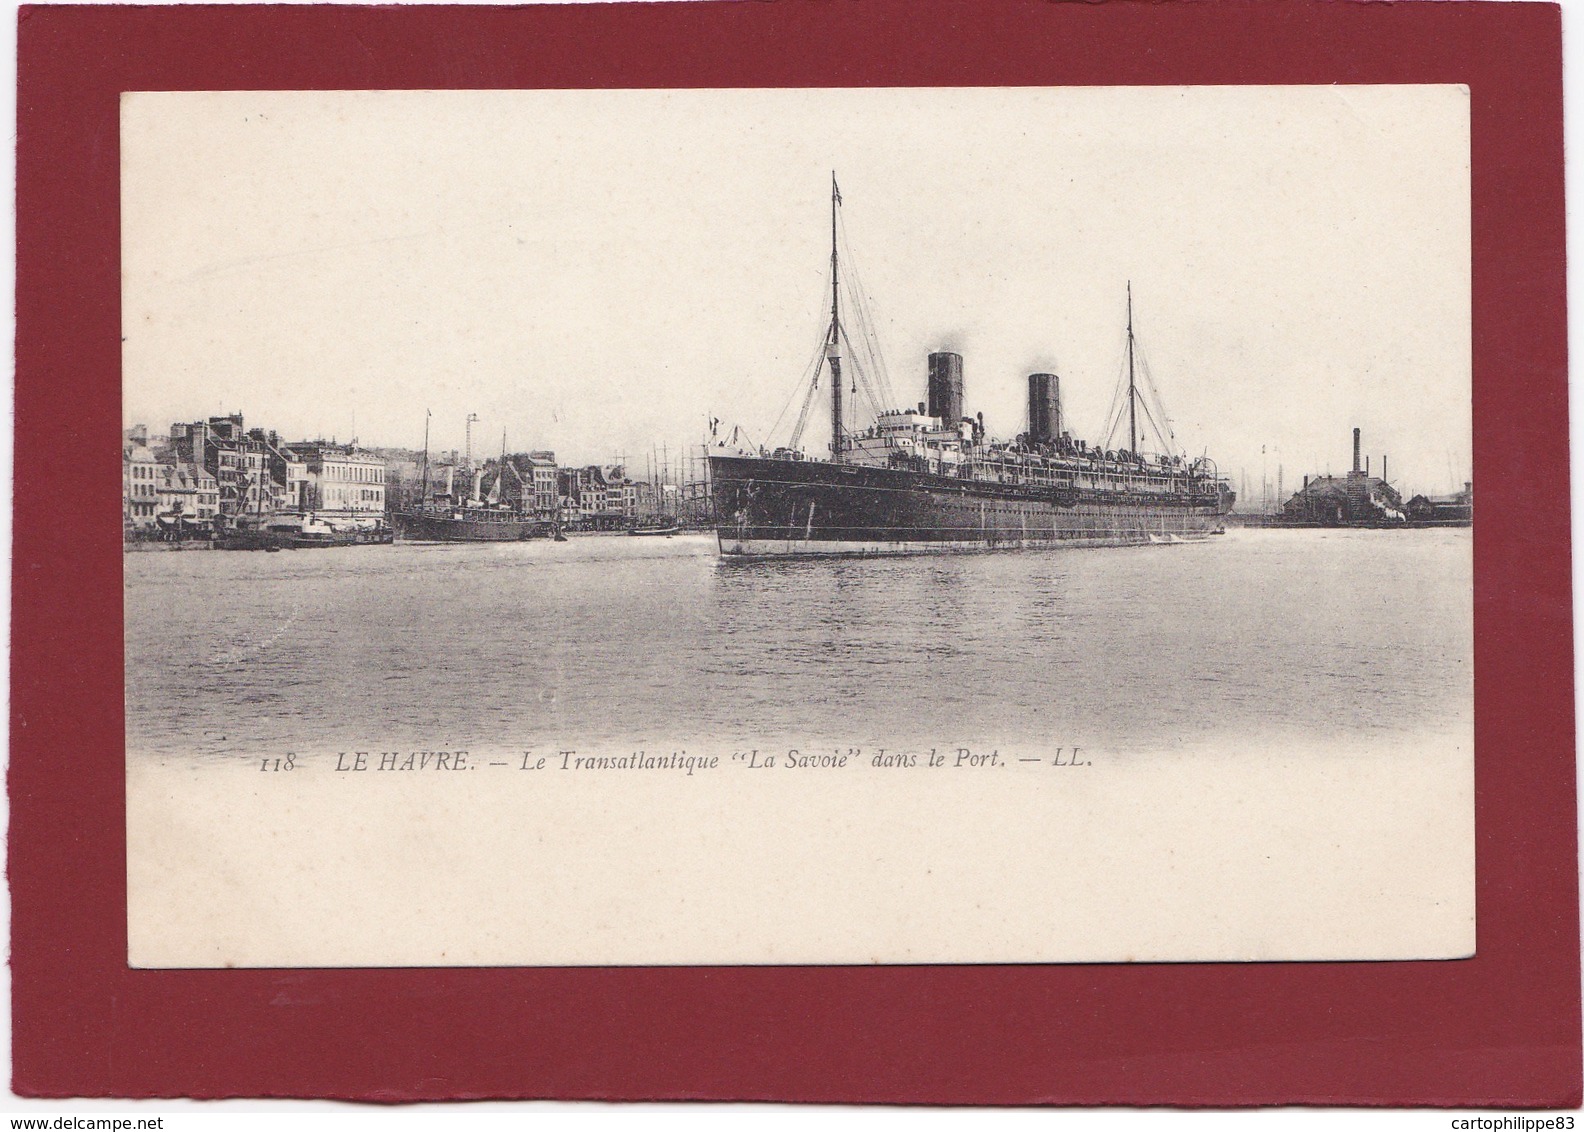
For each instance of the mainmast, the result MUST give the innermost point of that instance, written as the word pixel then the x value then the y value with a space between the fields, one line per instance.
pixel 833 347
pixel 1132 391
pixel 423 489
pixel 500 474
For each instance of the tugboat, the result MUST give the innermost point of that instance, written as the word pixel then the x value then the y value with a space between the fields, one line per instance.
pixel 300 532
pixel 930 480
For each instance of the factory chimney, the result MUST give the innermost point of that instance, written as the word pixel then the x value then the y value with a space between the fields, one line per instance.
pixel 1355 450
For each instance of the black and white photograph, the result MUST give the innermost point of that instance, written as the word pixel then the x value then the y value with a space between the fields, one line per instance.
pixel 886 525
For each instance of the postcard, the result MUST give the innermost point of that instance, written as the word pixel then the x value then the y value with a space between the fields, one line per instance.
pixel 839 526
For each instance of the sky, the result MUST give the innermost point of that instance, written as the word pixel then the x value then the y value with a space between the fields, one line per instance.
pixel 601 272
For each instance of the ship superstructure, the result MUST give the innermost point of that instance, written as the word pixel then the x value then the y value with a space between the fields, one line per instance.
pixel 929 479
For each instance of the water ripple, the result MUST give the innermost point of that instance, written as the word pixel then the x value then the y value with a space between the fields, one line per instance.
pixel 617 639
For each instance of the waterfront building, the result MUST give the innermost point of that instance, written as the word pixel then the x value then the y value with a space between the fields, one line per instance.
pixel 596 498
pixel 189 499
pixel 1455 510
pixel 403 471
pixel 621 497
pixel 162 495
pixel 290 480
pixel 190 442
pixel 541 473
pixel 646 501
pixel 140 473
pixel 342 481
pixel 246 464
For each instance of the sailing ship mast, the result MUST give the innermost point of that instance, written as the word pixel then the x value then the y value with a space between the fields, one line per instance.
pixel 423 488
pixel 833 347
pixel 1132 389
pixel 498 492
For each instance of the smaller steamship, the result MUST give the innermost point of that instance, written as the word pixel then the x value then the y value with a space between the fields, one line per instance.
pixel 929 479
pixel 451 516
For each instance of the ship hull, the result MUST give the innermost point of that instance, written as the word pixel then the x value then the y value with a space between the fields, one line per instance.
pixel 299 540
pixel 777 508
pixel 418 527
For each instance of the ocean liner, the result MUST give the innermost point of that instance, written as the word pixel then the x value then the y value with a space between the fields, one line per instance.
pixel 929 480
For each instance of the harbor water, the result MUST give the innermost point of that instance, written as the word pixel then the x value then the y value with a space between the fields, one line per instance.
pixel 616 643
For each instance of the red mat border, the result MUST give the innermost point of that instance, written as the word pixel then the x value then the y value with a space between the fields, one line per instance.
pixel 1501 1029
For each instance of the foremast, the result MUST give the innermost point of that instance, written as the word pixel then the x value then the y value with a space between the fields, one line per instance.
pixel 1132 386
pixel 833 341
pixel 423 489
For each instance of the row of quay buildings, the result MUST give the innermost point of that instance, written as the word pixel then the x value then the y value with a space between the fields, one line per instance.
pixel 211 475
